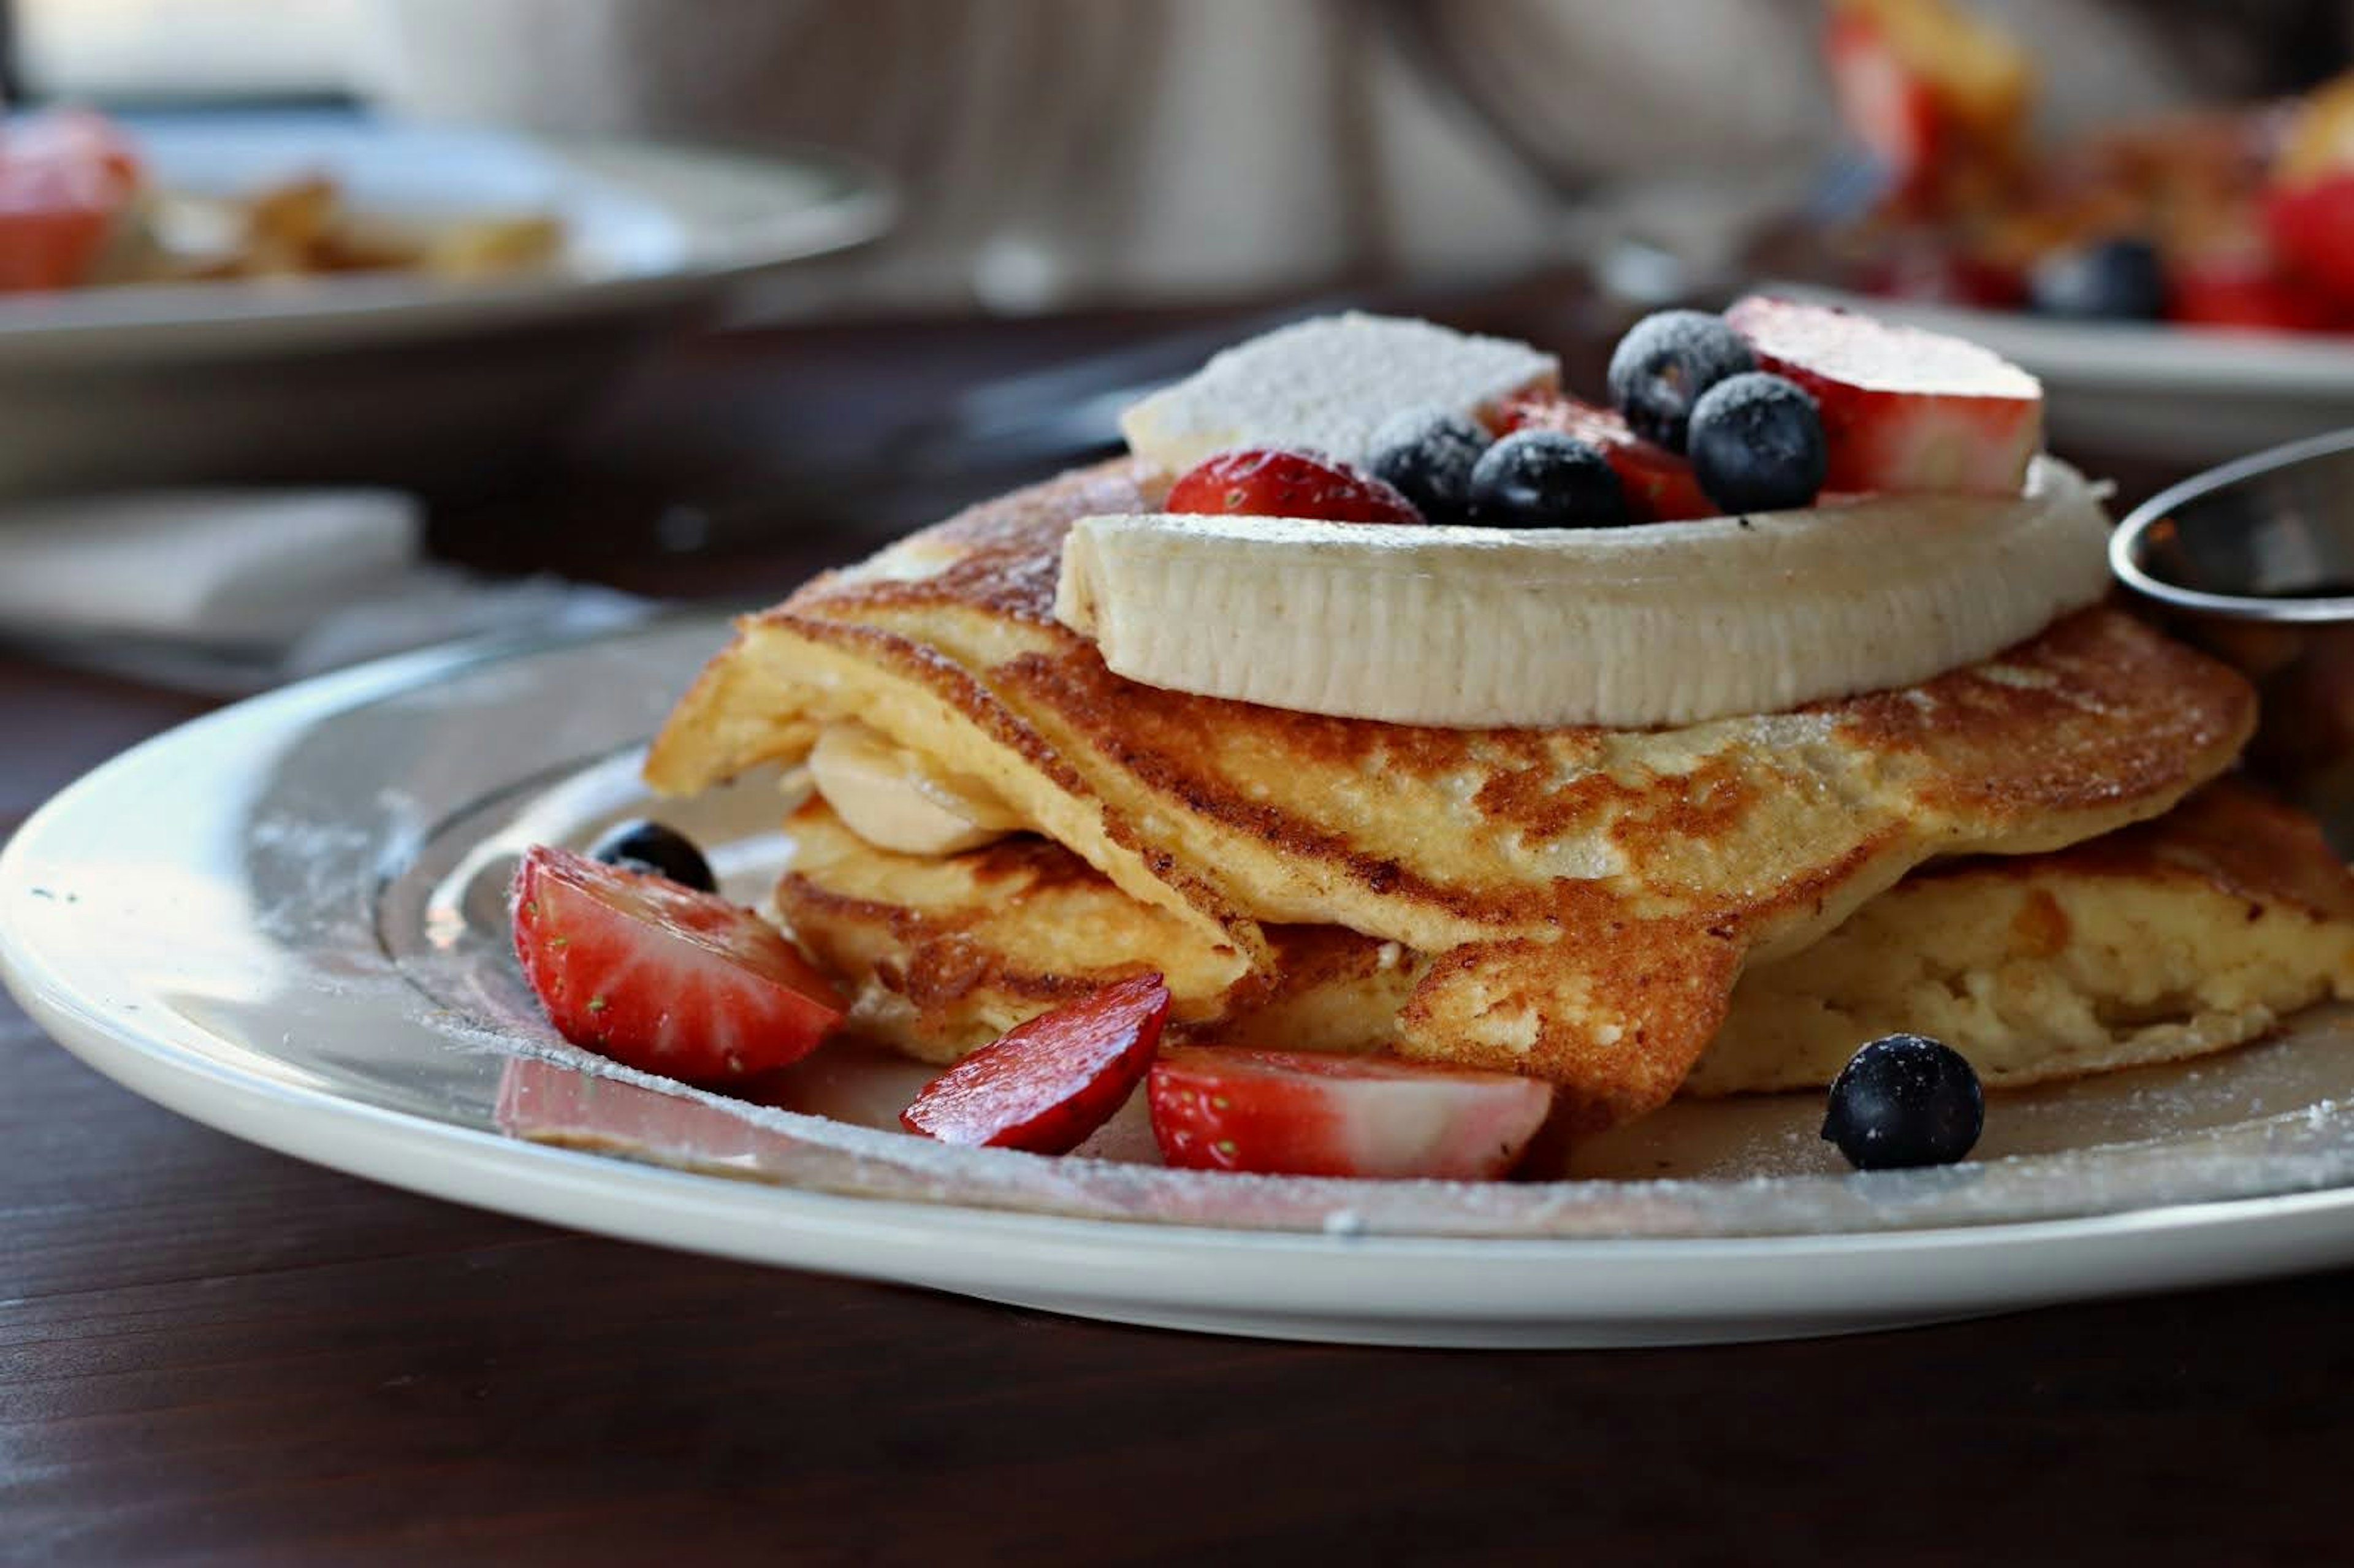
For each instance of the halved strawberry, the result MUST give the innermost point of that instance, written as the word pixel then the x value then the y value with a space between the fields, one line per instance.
pixel 1659 485
pixel 660 977
pixel 1268 482
pixel 1302 1114
pixel 1903 409
pixel 1047 1083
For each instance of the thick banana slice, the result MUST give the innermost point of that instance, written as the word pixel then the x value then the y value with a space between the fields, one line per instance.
pixel 1665 623
pixel 892 799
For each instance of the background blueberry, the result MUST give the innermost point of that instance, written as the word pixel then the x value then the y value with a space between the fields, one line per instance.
pixel 1663 365
pixel 2116 279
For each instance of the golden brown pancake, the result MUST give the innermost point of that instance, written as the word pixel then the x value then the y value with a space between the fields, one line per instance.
pixel 1588 897
pixel 2166 940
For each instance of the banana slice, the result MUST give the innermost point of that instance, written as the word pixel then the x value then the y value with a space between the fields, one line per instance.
pixel 889 798
pixel 1665 623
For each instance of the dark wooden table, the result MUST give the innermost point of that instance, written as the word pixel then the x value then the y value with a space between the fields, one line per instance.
pixel 211 1352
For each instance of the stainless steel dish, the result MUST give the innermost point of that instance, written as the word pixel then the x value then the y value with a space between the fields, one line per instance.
pixel 2254 562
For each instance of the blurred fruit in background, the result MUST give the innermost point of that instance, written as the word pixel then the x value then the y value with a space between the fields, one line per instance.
pixel 65 180
pixel 2240 217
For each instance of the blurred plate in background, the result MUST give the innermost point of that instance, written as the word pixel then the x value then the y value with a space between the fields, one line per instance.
pixel 396 377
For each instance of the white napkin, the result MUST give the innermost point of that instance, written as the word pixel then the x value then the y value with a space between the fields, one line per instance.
pixel 211 566
pixel 233 590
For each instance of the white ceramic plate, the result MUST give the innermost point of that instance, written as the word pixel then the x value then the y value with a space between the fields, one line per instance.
pixel 164 382
pixel 287 921
pixel 2191 396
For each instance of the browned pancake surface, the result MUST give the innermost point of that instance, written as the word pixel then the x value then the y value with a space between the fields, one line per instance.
pixel 1587 896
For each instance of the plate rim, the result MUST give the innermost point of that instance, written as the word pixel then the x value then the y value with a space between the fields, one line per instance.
pixel 1322 1274
pixel 226 319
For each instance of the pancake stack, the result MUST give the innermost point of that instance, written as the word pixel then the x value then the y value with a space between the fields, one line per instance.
pixel 2038 857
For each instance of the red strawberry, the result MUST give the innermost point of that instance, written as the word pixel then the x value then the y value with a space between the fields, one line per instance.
pixel 1302 1114
pixel 1263 481
pixel 1659 485
pixel 660 977
pixel 1047 1083
pixel 63 175
pixel 1903 409
pixel 2247 293
pixel 2312 230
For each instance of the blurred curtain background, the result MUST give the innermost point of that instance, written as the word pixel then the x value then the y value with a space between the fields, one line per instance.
pixel 1056 152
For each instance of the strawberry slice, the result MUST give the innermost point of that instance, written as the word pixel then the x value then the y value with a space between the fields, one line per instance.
pixel 1271 482
pixel 1659 485
pixel 660 977
pixel 1302 1114
pixel 1046 1084
pixel 1903 409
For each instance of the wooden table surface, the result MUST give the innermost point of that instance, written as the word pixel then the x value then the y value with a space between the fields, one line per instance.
pixel 212 1352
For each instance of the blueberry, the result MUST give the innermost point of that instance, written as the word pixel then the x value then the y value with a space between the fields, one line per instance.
pixel 641 845
pixel 1663 365
pixel 1543 479
pixel 1906 1099
pixel 1758 443
pixel 2117 279
pixel 1429 454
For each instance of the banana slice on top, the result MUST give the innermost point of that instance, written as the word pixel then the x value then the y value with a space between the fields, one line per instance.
pixel 1666 623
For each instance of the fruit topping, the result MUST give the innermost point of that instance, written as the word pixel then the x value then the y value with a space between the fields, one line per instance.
pixel 1757 444
pixel 1663 365
pixel 1906 1099
pixel 655 848
pixel 663 978
pixel 2117 280
pixel 1902 409
pixel 1297 1113
pixel 1659 485
pixel 1427 453
pixel 1047 1083
pixel 1543 479
pixel 1260 482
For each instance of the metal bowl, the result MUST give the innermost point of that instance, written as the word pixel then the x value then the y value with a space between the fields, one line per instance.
pixel 2254 562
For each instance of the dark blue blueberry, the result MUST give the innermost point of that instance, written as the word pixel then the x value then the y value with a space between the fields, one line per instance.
pixel 1663 365
pixel 2117 279
pixel 641 845
pixel 1906 1099
pixel 1543 479
pixel 1429 454
pixel 1758 443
